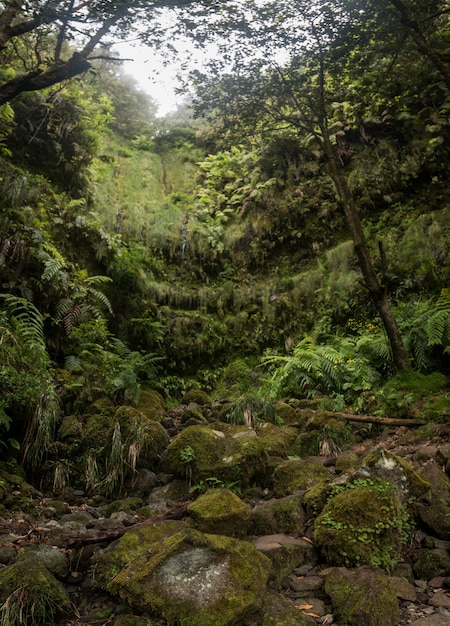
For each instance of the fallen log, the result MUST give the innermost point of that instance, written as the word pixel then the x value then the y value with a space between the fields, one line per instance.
pixel 100 536
pixel 373 419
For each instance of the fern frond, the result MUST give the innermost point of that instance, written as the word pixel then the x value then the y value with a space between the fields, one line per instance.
pixel 71 363
pixel 436 327
pixel 71 318
pixel 27 319
pixel 51 269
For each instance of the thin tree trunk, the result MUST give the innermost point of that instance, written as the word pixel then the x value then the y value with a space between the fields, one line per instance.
pixel 371 282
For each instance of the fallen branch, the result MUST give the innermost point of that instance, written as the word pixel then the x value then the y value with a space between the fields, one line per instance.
pixel 100 536
pixel 372 419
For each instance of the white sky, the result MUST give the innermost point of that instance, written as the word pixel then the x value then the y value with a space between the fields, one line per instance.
pixel 158 81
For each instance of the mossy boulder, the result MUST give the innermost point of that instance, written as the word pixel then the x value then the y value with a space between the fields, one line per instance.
pixel 363 525
pixel 286 413
pixel 71 429
pixel 40 598
pixel 221 512
pixel 364 596
pixel 279 612
pixel 189 577
pixel 439 483
pixel 436 519
pixel 432 563
pixel 197 396
pixel 282 515
pixel 316 498
pixel 395 470
pixel 138 431
pixel 233 454
pixel 195 452
pixel 345 462
pixel 191 415
pixel 291 476
pixel 152 404
pixel 279 440
pixel 96 431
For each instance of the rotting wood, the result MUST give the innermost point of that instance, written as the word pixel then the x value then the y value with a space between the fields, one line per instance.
pixel 100 536
pixel 373 419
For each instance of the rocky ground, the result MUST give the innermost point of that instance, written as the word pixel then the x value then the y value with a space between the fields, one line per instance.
pixel 64 533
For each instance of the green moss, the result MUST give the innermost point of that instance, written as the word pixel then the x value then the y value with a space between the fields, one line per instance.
pixel 286 413
pixel 398 472
pixel 109 562
pixel 346 462
pixel 363 525
pixel 193 579
pixel 196 396
pixel 284 515
pixel 362 597
pixel 192 416
pixel 432 563
pixel 436 409
pixel 207 448
pixel 151 404
pixel 71 429
pixel 292 476
pixel 316 498
pixel 221 512
pixel 129 505
pixel 279 440
pixel 279 612
pixel 40 598
pixel 96 431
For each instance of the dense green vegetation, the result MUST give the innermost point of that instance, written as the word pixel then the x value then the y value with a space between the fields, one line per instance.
pixel 216 252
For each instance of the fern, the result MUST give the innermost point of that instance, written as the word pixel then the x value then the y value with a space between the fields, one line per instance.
pixel 437 325
pixel 51 269
pixel 27 320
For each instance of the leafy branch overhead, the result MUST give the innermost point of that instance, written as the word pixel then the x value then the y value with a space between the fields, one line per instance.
pixel 66 37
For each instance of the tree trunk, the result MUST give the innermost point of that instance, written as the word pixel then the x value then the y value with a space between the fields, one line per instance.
pixel 370 279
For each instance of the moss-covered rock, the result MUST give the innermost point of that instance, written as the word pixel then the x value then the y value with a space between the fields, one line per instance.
pixel 395 470
pixel 363 525
pixel 364 596
pixel 282 515
pixel 129 505
pixel 316 498
pixel 221 512
pixel 436 519
pixel 147 437
pixel 194 452
pixel 196 396
pixel 279 612
pixel 233 454
pixel 187 577
pixel 107 563
pixel 39 597
pixel 191 415
pixel 71 429
pixel 296 475
pixel 439 483
pixel 152 404
pixel 345 462
pixel 279 440
pixel 432 563
pixel 286 413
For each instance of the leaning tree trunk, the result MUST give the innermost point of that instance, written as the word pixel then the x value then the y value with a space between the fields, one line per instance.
pixel 370 280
